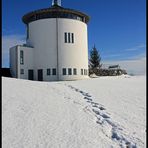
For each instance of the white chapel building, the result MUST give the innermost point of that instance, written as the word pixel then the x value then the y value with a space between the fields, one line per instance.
pixel 56 46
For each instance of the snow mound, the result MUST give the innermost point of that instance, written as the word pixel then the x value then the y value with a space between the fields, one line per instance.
pixel 93 76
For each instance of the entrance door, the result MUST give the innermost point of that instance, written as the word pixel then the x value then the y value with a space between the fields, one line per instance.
pixel 30 74
pixel 40 75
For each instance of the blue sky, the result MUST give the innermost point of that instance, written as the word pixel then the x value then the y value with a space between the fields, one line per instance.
pixel 117 27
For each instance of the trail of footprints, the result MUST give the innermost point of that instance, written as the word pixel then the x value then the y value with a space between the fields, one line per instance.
pixel 111 129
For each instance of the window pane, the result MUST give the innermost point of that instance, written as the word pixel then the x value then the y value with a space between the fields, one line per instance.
pixel 48 71
pixel 53 71
pixel 72 37
pixel 65 37
pixel 86 71
pixel 68 37
pixel 69 71
pixel 22 71
pixel 21 57
pixel 75 71
pixel 64 71
pixel 81 71
pixel 78 18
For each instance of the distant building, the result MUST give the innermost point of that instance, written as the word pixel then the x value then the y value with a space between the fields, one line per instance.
pixel 114 67
pixel 56 46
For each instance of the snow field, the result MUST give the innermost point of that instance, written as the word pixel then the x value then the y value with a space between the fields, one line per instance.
pixel 102 112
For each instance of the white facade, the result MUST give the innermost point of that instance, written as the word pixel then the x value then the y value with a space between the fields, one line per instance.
pixel 47 49
pixel 15 65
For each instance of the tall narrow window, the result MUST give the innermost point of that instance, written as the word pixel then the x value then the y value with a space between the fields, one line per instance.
pixel 68 37
pixel 69 71
pixel 75 71
pixel 64 71
pixel 21 57
pixel 81 71
pixel 53 71
pixel 22 71
pixel 65 37
pixel 72 36
pixel 48 72
pixel 85 71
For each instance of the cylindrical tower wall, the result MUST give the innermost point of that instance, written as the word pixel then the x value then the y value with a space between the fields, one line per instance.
pixel 42 36
pixel 72 55
pixel 47 36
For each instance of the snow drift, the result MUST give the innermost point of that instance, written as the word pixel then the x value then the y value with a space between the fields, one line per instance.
pixel 102 112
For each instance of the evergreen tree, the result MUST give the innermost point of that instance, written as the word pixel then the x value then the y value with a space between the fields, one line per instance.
pixel 95 59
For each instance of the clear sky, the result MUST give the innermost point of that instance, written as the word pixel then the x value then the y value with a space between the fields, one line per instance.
pixel 117 27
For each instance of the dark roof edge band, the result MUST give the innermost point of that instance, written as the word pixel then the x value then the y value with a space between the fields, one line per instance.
pixel 32 16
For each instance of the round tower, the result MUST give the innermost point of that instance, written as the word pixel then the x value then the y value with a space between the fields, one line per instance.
pixel 59 38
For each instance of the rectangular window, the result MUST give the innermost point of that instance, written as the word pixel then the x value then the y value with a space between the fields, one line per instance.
pixel 83 19
pixel 72 36
pixel 64 71
pixel 75 71
pixel 21 57
pixel 30 74
pixel 78 18
pixel 86 72
pixel 65 37
pixel 48 72
pixel 69 71
pixel 68 37
pixel 81 71
pixel 22 71
pixel 53 71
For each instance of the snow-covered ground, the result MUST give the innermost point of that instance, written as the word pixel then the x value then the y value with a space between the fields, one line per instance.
pixel 104 112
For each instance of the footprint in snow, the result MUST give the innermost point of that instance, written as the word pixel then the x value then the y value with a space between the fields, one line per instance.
pixel 81 91
pixel 86 94
pixel 123 141
pixel 96 111
pixel 104 119
pixel 88 101
pixel 102 108
pixel 99 113
pixel 105 116
pixel 93 103
pixel 100 120
pixel 115 136
pixel 86 98
pixel 77 90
